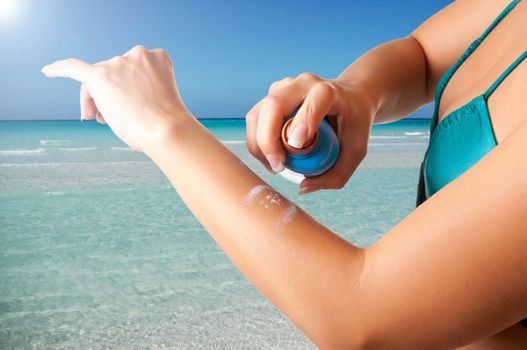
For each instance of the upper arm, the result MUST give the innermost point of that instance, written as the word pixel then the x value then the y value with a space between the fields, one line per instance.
pixel 446 35
pixel 455 270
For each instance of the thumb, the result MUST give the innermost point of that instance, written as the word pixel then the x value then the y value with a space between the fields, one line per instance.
pixel 315 107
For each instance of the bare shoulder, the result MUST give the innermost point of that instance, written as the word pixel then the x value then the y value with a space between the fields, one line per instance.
pixel 453 271
pixel 445 36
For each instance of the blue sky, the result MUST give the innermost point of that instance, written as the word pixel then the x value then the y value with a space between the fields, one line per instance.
pixel 225 53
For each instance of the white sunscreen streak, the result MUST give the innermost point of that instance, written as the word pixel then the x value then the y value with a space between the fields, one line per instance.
pixel 289 214
pixel 254 192
pixel 271 200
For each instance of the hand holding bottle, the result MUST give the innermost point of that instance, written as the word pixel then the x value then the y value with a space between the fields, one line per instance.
pixel 351 109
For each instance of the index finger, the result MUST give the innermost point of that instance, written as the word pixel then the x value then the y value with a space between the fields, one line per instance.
pixel 69 68
pixel 317 104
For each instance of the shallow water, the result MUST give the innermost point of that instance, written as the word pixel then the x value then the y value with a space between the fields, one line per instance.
pixel 98 251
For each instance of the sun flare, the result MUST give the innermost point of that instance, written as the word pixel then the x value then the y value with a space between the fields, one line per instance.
pixel 8 10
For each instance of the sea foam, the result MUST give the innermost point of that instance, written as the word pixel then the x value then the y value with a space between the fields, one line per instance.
pixel 22 152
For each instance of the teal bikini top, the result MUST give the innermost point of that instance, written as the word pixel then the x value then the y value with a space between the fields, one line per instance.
pixel 465 135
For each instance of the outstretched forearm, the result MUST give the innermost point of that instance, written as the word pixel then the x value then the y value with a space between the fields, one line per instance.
pixel 305 269
pixel 300 265
pixel 395 76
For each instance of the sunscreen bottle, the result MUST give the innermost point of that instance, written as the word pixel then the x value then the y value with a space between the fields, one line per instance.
pixel 315 157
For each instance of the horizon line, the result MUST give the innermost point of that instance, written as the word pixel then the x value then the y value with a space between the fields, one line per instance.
pixel 204 118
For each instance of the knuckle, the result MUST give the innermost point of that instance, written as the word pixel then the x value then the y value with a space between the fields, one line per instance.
pixel 250 117
pixel 272 101
pixel 325 88
pixel 162 53
pixel 307 76
pixel 279 84
pixel 274 86
pixel 139 49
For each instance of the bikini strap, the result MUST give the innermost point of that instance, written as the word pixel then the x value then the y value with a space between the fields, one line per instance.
pixel 498 19
pixel 504 75
pixel 472 47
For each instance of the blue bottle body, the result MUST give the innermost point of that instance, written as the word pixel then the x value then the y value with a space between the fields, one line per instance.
pixel 318 160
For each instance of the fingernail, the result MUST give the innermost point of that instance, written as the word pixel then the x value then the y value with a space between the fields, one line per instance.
pixel 81 118
pixel 306 187
pixel 306 190
pixel 43 70
pixel 298 136
pixel 275 162
pixel 306 183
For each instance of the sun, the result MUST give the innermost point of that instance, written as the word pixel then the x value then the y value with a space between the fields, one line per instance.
pixel 8 9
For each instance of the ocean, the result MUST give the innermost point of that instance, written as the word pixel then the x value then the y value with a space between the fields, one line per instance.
pixel 97 251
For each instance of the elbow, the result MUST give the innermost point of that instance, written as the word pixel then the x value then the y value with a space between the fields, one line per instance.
pixel 353 338
pixel 353 319
pixel 352 343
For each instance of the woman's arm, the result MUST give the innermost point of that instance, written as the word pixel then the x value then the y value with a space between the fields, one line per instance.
pixel 438 279
pixel 296 262
pixel 450 273
pixel 401 75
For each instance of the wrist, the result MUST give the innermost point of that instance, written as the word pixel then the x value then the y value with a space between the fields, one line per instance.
pixel 359 91
pixel 173 129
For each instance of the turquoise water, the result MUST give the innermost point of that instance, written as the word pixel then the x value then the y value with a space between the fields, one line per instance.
pixel 98 251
